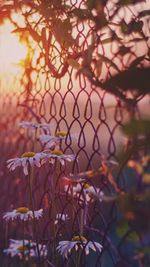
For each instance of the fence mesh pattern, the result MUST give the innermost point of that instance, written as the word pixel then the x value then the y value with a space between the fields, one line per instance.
pixel 54 85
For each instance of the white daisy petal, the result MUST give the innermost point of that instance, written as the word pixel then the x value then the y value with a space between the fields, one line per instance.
pixel 76 247
pixel 35 126
pixel 98 246
pixel 61 217
pixel 91 245
pixel 26 160
pixel 87 249
pixel 60 156
pixel 25 169
pixel 23 214
pixel 65 247
pixel 26 247
pixel 62 161
pixel 53 140
pixel 84 191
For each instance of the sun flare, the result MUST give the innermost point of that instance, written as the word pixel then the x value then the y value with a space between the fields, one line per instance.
pixel 12 51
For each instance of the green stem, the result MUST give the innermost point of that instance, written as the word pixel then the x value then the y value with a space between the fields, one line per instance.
pixel 81 221
pixel 73 204
pixel 30 177
pixel 78 253
pixel 23 244
pixel 35 139
pixel 77 260
pixel 53 183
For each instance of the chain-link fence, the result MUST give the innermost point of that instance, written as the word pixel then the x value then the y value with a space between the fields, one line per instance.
pixel 73 48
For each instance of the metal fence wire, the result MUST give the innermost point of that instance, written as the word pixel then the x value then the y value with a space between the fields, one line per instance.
pixel 73 47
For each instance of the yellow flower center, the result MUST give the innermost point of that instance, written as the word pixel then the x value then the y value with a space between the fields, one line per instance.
pixel 22 248
pixel 22 210
pixel 79 238
pixel 28 155
pixel 86 186
pixel 60 134
pixel 57 152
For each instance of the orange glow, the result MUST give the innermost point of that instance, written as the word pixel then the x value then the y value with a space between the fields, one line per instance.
pixel 12 51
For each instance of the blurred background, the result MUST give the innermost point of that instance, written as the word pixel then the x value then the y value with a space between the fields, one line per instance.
pixel 55 60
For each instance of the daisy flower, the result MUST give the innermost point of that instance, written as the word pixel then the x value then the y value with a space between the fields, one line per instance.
pixel 25 248
pixel 78 242
pixel 53 140
pixel 59 155
pixel 23 213
pixel 61 217
pixel 35 126
pixel 85 191
pixel 27 159
pixel 89 190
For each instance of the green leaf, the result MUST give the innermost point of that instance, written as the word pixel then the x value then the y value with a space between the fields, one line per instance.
pixel 144 13
pixel 107 60
pixel 137 61
pixel 133 236
pixel 126 202
pixel 87 57
pixel 123 229
pixel 124 27
pixel 136 127
pixel 132 26
pixel 91 4
pixel 123 50
pixel 82 14
pixel 145 250
pixel 74 63
pixel 98 67
pixel 63 32
pixel 129 2
pixel 85 71
pixel 107 40
pixel 125 2
pixel 135 26
pixel 135 40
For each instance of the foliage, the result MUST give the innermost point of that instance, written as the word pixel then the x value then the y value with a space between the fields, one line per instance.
pixel 52 25
pixel 137 128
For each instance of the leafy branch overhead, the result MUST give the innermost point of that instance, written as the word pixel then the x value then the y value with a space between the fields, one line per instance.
pixel 53 26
